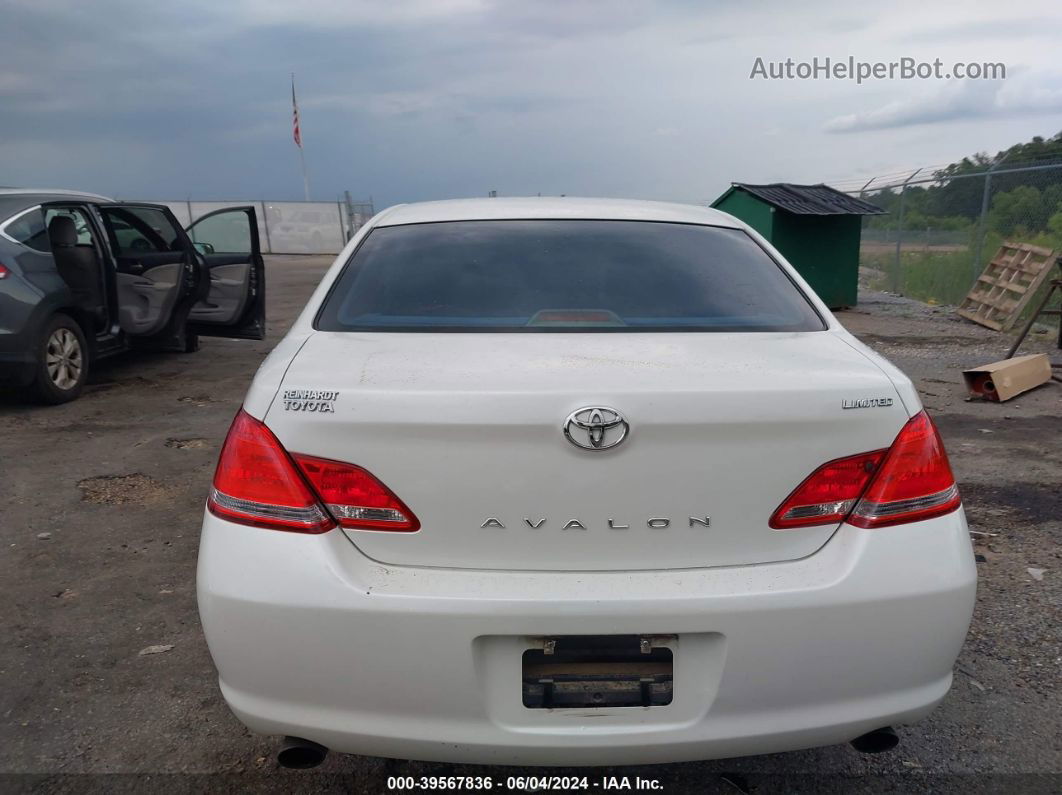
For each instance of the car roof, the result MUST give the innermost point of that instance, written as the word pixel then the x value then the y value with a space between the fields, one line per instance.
pixel 562 207
pixel 15 201
pixel 50 192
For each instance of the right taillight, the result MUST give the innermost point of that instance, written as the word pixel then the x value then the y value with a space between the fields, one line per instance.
pixel 258 483
pixel 914 482
pixel 910 481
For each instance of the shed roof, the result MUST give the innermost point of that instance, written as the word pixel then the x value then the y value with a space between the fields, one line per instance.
pixel 805 199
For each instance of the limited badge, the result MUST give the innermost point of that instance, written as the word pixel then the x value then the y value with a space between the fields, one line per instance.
pixel 867 403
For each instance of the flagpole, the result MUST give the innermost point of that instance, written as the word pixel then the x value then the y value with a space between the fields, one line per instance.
pixel 305 179
pixel 298 139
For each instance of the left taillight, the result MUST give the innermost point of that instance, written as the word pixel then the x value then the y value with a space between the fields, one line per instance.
pixel 355 497
pixel 257 482
pixel 4 271
pixel 909 482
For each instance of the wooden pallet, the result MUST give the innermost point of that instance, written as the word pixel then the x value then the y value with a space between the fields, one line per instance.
pixel 1012 277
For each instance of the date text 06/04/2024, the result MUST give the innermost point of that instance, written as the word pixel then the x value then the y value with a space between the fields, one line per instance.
pixel 522 783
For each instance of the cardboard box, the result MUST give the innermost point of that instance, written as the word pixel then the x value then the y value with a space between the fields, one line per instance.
pixel 1003 380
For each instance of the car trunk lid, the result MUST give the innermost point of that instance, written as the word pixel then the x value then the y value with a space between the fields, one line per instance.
pixel 466 429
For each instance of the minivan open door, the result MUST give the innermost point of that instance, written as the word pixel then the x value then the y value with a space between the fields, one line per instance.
pixel 234 306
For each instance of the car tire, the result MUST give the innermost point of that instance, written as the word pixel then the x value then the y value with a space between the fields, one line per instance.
pixel 62 361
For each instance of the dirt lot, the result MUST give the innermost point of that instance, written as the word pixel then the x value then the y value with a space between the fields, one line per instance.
pixel 99 516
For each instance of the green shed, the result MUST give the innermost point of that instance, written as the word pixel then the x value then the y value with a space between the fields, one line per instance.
pixel 814 226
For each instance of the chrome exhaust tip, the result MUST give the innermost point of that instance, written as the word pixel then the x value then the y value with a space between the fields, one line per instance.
pixel 298 754
pixel 877 741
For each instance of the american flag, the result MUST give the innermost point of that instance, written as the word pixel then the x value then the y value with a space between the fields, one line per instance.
pixel 295 116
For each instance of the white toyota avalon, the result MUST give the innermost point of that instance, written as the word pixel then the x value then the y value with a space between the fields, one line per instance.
pixel 569 481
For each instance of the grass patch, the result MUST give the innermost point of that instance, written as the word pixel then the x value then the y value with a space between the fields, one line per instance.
pixel 943 277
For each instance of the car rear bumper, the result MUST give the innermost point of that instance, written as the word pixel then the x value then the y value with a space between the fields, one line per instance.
pixel 23 312
pixel 313 639
pixel 16 367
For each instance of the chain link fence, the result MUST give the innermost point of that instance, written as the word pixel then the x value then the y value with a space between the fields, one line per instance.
pixel 290 227
pixel 944 226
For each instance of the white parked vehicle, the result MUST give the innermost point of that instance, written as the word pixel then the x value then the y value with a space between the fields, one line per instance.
pixel 568 481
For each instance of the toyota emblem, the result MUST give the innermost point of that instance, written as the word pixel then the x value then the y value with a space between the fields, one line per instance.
pixel 595 428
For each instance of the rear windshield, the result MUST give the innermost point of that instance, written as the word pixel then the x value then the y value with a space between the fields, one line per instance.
pixel 563 275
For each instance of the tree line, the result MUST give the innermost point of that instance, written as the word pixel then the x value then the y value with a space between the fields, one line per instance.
pixel 1024 204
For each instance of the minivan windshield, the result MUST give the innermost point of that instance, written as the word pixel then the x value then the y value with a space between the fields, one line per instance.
pixel 563 275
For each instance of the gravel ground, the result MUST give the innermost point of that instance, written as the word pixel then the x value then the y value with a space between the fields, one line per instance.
pixel 108 684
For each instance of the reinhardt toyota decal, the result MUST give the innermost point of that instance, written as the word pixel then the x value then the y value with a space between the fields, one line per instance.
pixel 322 401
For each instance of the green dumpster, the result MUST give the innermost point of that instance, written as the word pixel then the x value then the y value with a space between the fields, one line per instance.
pixel 815 227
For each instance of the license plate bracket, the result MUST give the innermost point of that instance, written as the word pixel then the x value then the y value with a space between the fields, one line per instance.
pixel 597 671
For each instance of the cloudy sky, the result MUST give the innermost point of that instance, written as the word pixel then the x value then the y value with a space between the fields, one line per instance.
pixel 439 98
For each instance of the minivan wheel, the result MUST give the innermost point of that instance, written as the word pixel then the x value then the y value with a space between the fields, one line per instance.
pixel 62 361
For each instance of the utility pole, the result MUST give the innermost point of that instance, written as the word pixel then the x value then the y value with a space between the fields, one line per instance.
pixel 899 232
pixel 976 268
